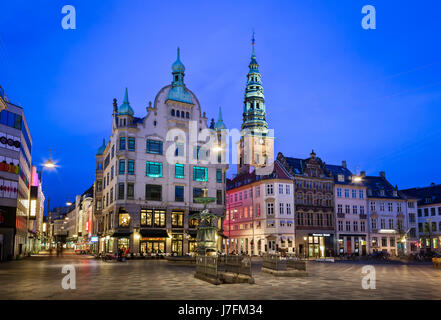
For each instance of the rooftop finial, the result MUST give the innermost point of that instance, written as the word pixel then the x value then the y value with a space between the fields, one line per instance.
pixel 179 55
pixel 220 114
pixel 220 125
pixel 126 97
pixel 253 40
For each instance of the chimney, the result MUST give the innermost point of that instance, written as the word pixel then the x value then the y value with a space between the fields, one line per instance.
pixel 383 174
pixel 343 164
pixel 363 173
pixel 432 184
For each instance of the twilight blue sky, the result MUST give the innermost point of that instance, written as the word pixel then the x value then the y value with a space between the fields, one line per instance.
pixel 370 97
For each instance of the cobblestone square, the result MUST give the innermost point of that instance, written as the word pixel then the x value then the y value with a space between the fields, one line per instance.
pixel 40 277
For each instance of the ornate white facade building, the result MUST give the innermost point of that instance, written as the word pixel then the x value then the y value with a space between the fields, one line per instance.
pixel 151 170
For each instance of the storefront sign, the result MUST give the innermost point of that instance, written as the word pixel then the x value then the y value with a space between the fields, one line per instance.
pixel 321 235
pixel 94 239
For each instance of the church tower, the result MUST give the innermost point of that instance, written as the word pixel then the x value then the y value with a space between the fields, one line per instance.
pixel 256 147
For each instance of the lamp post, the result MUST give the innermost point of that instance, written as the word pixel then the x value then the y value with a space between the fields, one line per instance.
pixel 49 164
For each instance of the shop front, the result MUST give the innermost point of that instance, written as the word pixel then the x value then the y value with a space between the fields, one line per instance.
pixel 319 245
pixel 120 239
pixel 352 244
pixel 153 241
pixel 192 241
pixel 177 244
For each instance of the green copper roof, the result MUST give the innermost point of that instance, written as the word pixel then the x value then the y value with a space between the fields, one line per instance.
pixel 254 111
pixel 220 125
pixel 179 92
pixel 125 108
pixel 178 66
pixel 101 149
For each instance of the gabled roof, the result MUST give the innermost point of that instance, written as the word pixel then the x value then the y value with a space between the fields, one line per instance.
pixel 247 178
pixel 379 187
pixel 298 166
pixel 340 170
pixel 425 195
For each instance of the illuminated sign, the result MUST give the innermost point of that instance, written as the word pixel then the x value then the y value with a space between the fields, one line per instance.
pixel 94 239
pixel 387 231
pixel 33 209
pixel 321 235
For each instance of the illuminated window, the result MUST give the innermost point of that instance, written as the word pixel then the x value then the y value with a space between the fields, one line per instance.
pixel 200 174
pixel 124 219
pixel 154 169
pixel 152 218
pixel 179 171
pixel 177 219
pixel 219 176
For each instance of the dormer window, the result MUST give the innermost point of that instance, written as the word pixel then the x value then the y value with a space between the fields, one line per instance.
pixel 382 193
pixel 341 178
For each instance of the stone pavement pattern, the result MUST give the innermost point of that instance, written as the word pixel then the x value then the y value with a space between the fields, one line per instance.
pixel 40 278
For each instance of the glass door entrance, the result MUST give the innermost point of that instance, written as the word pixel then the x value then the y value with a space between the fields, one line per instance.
pixel 316 246
pixel 152 246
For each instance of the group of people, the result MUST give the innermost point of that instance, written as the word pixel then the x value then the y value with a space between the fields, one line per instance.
pixel 122 253
pixel 58 249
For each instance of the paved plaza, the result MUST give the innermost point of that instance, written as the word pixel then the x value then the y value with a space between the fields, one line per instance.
pixel 40 277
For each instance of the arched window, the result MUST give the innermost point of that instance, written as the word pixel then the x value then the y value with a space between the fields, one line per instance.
pixel 173 112
pixel 257 105
pixel 154 123
pixel 182 114
pixel 187 115
pixel 177 113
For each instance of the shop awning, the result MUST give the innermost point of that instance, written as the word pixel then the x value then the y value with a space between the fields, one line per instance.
pixel 155 233
pixel 121 233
